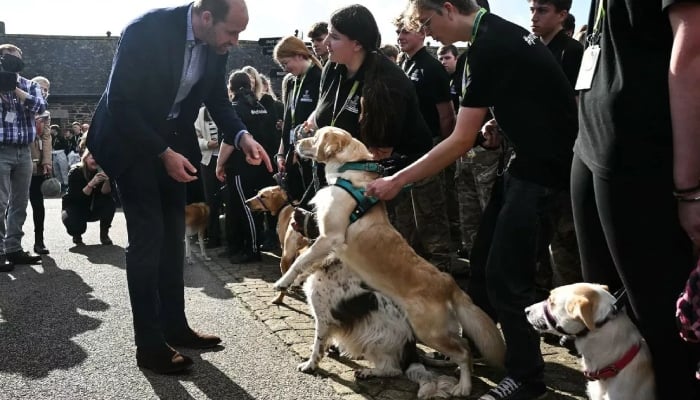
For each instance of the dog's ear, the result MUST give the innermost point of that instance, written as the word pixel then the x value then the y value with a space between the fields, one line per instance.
pixel 356 150
pixel 582 308
pixel 605 287
pixel 330 145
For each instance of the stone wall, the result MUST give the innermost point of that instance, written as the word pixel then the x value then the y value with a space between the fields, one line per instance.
pixel 78 68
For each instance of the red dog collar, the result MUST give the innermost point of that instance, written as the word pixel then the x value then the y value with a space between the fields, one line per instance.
pixel 614 368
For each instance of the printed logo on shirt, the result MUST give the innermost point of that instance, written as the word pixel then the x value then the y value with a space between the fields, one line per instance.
pixel 306 97
pixel 353 104
pixel 530 39
pixel 258 111
pixel 416 75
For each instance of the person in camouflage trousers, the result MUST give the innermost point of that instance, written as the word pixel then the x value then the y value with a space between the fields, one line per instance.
pixel 476 172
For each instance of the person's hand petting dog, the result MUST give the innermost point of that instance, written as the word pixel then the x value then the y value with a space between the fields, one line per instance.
pixel 385 188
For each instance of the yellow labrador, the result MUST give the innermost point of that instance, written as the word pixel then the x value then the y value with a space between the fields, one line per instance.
pixel 375 251
pixel 615 358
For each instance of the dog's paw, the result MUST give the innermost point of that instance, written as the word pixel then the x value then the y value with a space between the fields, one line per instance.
pixel 189 260
pixel 364 373
pixel 306 367
pixel 206 258
pixel 462 389
pixel 281 285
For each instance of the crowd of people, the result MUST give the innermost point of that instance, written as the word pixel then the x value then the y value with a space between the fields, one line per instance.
pixel 525 154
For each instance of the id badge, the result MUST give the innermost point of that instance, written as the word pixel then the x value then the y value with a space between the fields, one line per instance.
pixel 10 117
pixel 588 66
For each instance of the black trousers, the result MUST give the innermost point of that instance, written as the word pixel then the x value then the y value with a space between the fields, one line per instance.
pixel 154 207
pixel 628 231
pixel 36 199
pixel 503 268
pixel 75 219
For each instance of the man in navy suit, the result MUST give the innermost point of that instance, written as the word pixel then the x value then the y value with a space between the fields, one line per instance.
pixel 168 62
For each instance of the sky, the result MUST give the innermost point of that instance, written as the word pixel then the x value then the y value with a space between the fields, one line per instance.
pixel 268 18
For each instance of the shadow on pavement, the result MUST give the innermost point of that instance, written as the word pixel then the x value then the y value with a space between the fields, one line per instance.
pixel 204 375
pixel 199 278
pixel 101 254
pixel 39 315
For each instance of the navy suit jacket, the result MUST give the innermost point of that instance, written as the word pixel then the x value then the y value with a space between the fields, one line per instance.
pixel 130 120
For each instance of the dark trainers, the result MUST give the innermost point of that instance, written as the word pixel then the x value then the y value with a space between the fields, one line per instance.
pixel 22 257
pixel 510 389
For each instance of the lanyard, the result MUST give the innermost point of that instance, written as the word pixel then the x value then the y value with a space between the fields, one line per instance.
pixel 295 97
pixel 335 103
pixel 600 14
pixel 475 30
pixel 594 36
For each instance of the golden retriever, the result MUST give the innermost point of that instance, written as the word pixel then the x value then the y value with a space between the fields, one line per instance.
pixel 382 258
pixel 274 199
pixel 615 358
pixel 196 221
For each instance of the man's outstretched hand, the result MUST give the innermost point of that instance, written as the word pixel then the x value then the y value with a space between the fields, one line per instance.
pixel 255 154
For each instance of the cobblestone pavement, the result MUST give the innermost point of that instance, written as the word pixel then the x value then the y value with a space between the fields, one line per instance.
pixel 293 323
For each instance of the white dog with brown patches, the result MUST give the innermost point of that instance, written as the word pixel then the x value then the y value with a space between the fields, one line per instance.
pixel 382 258
pixel 615 357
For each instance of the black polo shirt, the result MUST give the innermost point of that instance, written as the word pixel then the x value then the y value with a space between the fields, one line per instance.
pixel 432 85
pixel 409 135
pixel 568 52
pixel 512 71
pixel 303 100
pixel 625 116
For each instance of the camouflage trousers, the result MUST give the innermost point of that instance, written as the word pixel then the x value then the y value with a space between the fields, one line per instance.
pixel 420 215
pixel 449 187
pixel 558 260
pixel 474 177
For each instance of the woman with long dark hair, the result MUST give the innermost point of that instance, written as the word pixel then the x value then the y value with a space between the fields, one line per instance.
pixel 365 93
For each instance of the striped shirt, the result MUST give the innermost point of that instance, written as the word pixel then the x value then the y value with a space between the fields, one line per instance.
pixel 18 126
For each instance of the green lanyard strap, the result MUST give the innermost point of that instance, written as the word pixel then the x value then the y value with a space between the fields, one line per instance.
pixel 335 103
pixel 475 29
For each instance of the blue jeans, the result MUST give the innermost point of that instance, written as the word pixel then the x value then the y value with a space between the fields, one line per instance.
pixel 503 268
pixel 15 178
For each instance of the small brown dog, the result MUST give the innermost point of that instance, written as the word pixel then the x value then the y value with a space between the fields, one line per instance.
pixel 273 199
pixel 196 221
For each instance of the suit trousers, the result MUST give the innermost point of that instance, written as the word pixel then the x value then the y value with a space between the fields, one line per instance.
pixel 154 208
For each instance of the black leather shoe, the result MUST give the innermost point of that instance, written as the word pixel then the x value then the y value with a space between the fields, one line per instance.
pixel 22 257
pixel 5 266
pixel 39 248
pixel 162 361
pixel 193 340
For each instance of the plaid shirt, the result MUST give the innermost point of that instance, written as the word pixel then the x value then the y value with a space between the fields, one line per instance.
pixel 23 129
